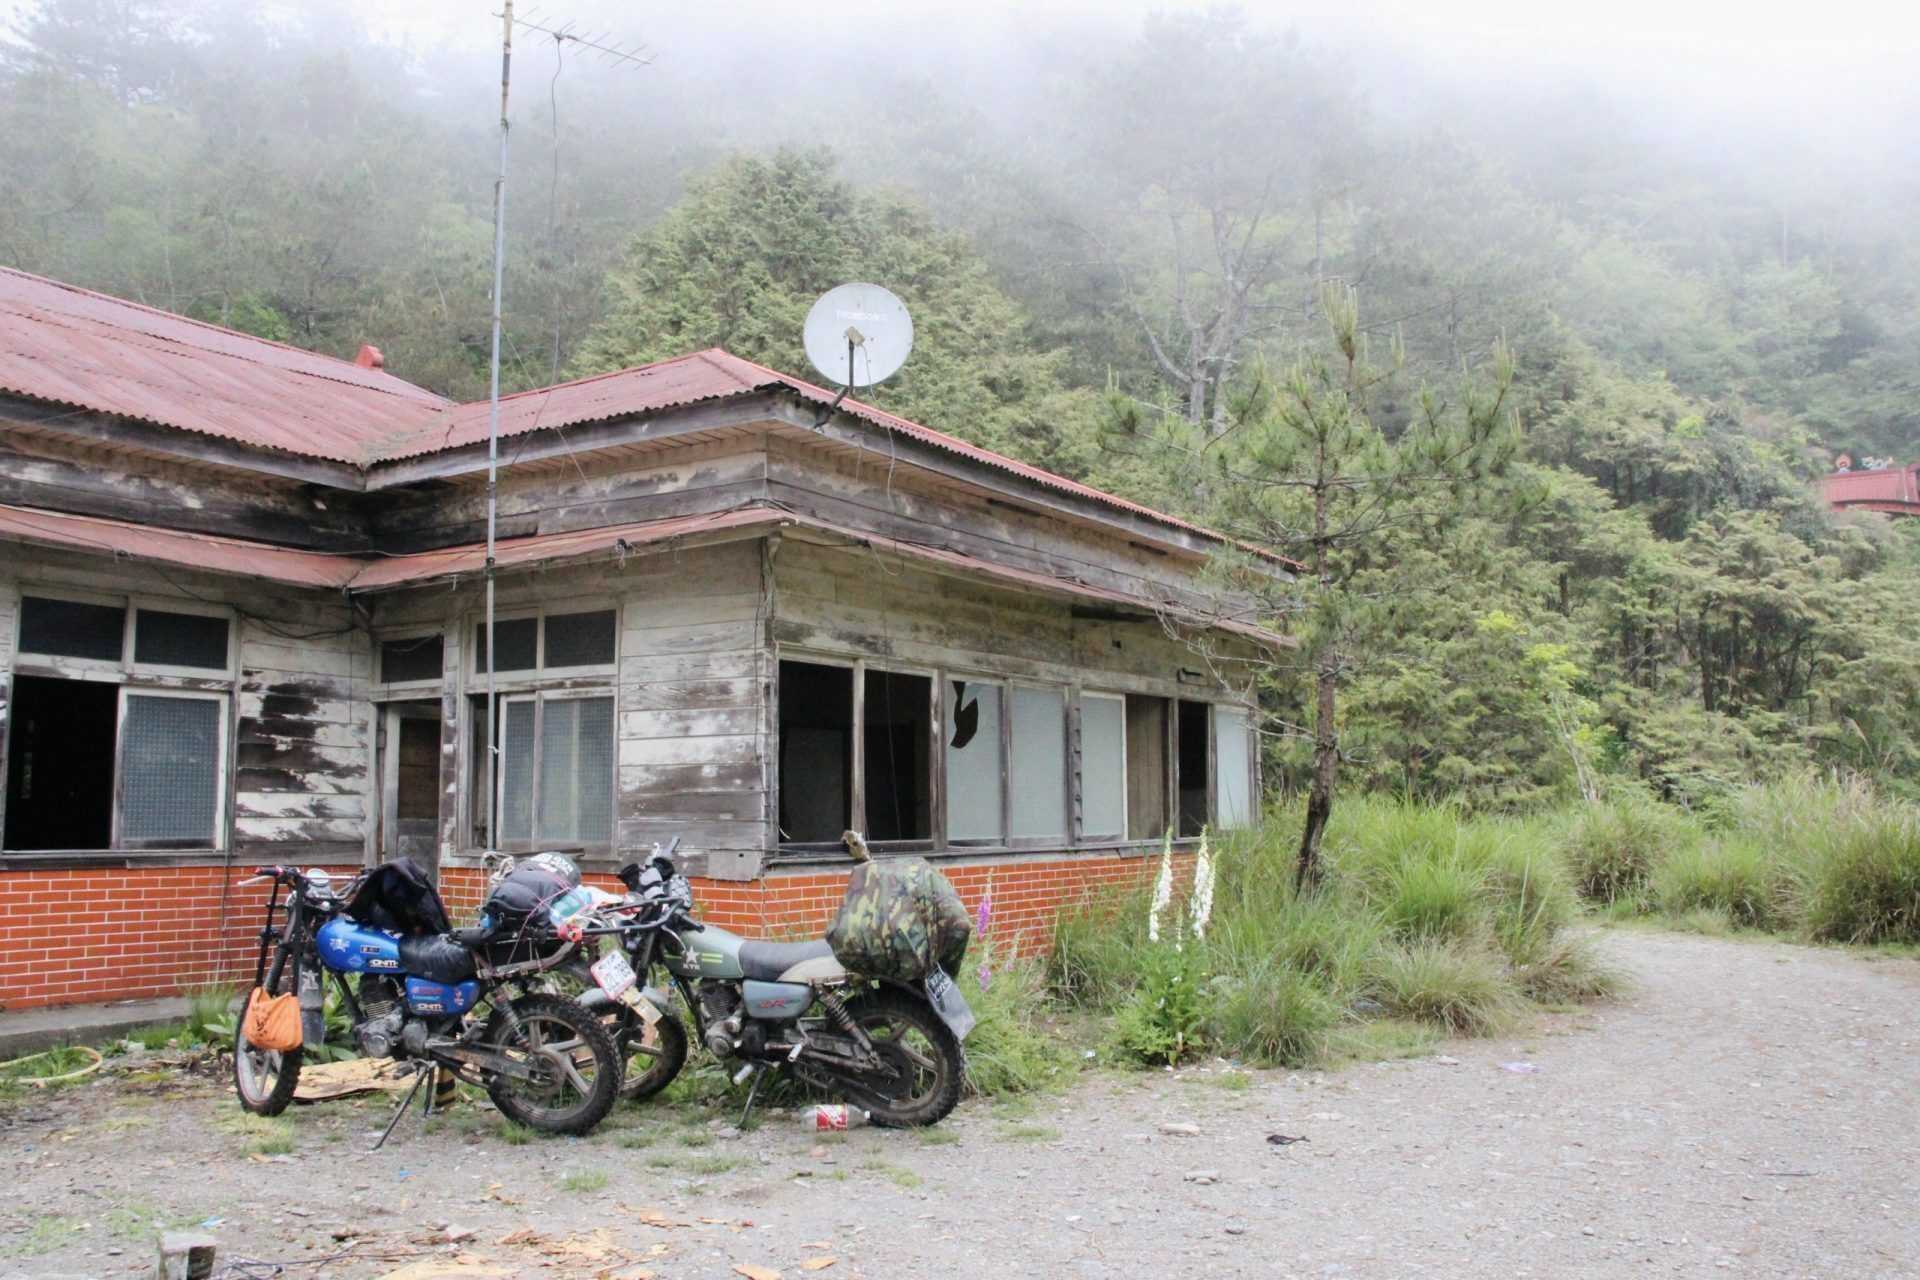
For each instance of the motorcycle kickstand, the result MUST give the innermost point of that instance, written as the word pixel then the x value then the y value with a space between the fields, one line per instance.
pixel 420 1076
pixel 759 1077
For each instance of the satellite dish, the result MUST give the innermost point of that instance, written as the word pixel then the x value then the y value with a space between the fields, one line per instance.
pixel 858 334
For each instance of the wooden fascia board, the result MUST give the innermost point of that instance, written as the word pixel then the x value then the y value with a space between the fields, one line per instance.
pixel 659 427
pixel 173 443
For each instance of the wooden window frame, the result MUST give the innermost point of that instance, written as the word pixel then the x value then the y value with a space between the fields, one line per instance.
pixel 522 680
pixel 1001 684
pixel 385 690
pixel 127 667
pixel 857 755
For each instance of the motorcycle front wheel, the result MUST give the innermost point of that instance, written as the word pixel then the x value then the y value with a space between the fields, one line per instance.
pixel 573 1068
pixel 924 1067
pixel 264 1078
pixel 653 1056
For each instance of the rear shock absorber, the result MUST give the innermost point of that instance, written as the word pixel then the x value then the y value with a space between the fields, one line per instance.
pixel 843 1021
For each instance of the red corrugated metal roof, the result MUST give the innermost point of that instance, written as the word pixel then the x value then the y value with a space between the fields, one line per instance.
pixel 76 347
pixel 1895 489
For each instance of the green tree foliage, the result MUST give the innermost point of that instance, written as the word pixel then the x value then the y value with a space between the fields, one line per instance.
pixel 738 263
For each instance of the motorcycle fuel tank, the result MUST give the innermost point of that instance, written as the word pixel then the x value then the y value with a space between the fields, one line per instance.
pixel 347 946
pixel 711 952
pixel 440 997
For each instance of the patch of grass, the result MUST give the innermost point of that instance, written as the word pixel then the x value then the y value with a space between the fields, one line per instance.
pixel 277 1143
pixel 1232 1081
pixel 1381 1040
pixel 1564 969
pixel 1012 1049
pixel 712 1166
pixel 45 1233
pixel 901 1177
pixel 43 1066
pixel 1460 987
pixel 936 1137
pixel 210 1010
pixel 1272 1014
pixel 515 1134
pixel 1029 1133
pixel 696 1138
pixel 584 1181
pixel 1093 962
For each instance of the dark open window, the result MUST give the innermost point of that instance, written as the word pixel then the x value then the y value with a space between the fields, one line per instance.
pixel 72 628
pixel 897 770
pixel 816 752
pixel 1192 776
pixel 60 764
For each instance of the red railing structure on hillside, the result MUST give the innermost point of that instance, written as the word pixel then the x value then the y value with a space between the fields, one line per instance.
pixel 1894 490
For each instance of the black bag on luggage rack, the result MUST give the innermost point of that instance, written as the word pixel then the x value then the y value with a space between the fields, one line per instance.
pixel 398 896
pixel 516 912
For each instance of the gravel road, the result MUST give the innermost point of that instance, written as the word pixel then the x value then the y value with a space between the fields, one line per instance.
pixel 1748 1108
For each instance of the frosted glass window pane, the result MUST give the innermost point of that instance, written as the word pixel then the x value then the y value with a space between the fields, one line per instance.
pixel 1103 766
pixel 516 766
pixel 1039 763
pixel 1233 768
pixel 973 760
pixel 576 770
pixel 170 771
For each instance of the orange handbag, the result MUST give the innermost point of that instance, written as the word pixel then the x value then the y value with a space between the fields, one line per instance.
pixel 272 1022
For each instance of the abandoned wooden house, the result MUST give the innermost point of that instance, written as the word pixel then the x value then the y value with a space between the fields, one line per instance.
pixel 240 622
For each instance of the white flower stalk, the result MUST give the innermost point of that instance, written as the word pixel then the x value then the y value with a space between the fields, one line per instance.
pixel 1201 905
pixel 1162 891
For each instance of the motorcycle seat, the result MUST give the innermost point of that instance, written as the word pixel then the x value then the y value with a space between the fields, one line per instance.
pixel 789 961
pixel 435 957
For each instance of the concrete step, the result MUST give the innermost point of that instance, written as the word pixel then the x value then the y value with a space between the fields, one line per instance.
pixel 30 1030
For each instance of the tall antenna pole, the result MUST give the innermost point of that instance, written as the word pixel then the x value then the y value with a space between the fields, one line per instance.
pixel 493 419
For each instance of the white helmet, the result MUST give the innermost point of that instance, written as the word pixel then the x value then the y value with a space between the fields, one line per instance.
pixel 557 863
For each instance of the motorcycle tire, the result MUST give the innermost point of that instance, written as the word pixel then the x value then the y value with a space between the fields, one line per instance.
pixel 647 1073
pixel 583 1033
pixel 264 1079
pixel 888 1017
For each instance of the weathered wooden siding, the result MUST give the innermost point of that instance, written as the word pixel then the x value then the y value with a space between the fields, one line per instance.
pixel 43 469
pixel 859 602
pixel 688 693
pixel 9 626
pixel 562 495
pixel 299 756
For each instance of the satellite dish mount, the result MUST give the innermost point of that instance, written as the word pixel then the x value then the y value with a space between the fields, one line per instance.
pixel 877 333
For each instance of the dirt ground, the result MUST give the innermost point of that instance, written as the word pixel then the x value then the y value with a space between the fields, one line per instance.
pixel 1749 1108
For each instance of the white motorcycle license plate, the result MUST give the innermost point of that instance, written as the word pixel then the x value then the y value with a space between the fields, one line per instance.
pixel 613 973
pixel 947 1001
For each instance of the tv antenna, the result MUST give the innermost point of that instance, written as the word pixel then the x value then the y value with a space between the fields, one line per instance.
pixel 635 55
pixel 857 335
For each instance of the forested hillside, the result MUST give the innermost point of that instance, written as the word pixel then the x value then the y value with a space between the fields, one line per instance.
pixel 1119 248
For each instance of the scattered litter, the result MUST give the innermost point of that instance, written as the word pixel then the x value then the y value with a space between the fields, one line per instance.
pixel 1204 1177
pixel 211 1223
pixel 1445 1061
pixel 41 1082
pixel 461 1267
pixel 322 1081
pixel 1520 1068
pixel 1235 1229
pixel 816 1244
pixel 1282 1140
pixel 818 1264
pixel 1180 1129
pixel 752 1272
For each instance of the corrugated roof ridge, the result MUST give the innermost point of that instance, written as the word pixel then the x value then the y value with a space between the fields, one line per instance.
pixel 435 396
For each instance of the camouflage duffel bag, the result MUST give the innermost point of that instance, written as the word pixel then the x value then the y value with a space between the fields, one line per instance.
pixel 899 919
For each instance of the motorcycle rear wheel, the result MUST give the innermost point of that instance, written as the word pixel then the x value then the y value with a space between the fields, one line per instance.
pixel 928 1064
pixel 264 1079
pixel 578 1094
pixel 648 1068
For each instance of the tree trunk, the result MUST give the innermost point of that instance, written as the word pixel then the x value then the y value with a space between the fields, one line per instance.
pixel 1326 759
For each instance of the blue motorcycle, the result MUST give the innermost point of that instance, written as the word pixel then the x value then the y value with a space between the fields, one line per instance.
pixel 460 1000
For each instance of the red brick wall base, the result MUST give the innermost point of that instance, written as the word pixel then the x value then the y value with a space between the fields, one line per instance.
pixel 81 937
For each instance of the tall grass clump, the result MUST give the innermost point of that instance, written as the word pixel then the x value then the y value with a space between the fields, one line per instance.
pixel 1730 874
pixel 1612 847
pixel 1863 883
pixel 1094 962
pixel 1011 1049
pixel 1463 988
